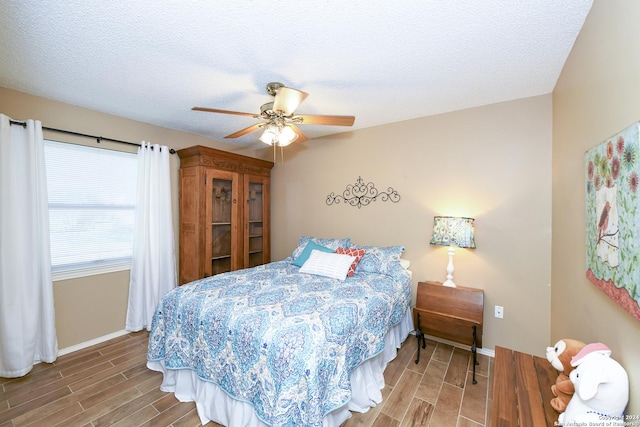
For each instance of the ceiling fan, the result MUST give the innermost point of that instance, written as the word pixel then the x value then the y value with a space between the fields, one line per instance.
pixel 278 119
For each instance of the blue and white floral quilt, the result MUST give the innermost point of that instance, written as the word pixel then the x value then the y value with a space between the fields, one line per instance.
pixel 284 341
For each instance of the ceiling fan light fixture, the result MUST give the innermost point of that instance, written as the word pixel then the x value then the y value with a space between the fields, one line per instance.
pixel 270 135
pixel 288 99
pixel 287 136
pixel 281 136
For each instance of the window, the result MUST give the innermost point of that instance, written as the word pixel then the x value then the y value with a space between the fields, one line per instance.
pixel 92 197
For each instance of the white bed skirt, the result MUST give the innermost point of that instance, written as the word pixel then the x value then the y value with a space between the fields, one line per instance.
pixel 214 404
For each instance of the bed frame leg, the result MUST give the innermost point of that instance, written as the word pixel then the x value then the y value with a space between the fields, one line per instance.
pixel 474 350
pixel 420 337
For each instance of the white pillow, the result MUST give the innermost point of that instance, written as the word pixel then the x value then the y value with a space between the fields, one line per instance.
pixel 328 264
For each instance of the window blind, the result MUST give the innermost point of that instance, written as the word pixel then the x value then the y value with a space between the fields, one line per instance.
pixel 92 196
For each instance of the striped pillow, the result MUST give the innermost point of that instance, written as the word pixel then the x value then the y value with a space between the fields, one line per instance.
pixel 335 266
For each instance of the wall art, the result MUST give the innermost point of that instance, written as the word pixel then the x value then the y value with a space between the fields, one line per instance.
pixel 362 194
pixel 613 218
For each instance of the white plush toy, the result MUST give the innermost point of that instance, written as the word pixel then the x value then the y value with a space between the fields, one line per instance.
pixel 601 388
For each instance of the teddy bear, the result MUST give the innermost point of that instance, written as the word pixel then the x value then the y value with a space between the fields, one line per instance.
pixel 601 389
pixel 560 358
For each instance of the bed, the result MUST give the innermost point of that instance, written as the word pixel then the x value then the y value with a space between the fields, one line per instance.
pixel 283 344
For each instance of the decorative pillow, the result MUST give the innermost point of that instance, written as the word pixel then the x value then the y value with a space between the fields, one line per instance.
pixel 327 264
pixel 332 244
pixel 304 255
pixel 378 259
pixel 354 252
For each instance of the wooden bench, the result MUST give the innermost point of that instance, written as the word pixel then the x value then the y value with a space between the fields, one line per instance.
pixel 522 390
pixel 454 314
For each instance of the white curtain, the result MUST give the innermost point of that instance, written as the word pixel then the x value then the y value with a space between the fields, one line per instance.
pixel 27 318
pixel 153 270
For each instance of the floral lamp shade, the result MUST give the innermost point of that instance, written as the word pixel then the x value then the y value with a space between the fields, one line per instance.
pixel 453 231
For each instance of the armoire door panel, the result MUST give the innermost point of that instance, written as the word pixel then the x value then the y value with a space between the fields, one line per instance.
pixel 222 210
pixel 256 221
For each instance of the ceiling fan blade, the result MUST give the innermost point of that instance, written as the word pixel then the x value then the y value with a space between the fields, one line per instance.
pixel 215 110
pixel 301 136
pixel 308 119
pixel 245 131
pixel 287 100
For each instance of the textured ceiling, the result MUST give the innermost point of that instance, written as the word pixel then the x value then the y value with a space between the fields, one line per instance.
pixel 378 60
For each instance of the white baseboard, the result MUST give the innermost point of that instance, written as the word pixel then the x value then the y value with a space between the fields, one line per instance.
pixel 480 350
pixel 92 342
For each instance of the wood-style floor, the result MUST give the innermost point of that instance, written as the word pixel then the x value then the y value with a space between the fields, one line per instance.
pixel 109 384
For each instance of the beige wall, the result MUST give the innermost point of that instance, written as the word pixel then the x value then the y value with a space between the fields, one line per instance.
pixel 596 96
pixel 492 163
pixel 95 306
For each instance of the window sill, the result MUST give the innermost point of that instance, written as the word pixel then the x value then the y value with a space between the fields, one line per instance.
pixel 90 271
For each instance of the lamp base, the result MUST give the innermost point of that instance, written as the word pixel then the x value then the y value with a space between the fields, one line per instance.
pixel 449 283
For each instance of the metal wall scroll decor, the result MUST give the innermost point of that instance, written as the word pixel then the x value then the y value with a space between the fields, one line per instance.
pixel 361 194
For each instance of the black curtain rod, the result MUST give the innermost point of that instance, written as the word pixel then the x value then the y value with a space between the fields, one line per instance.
pixel 97 138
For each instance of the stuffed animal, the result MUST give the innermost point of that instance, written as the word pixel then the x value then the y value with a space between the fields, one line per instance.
pixel 560 358
pixel 601 389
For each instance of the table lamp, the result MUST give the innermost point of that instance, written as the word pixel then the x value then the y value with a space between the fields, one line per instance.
pixel 452 231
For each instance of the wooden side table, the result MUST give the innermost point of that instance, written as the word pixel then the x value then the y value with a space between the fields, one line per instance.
pixel 454 314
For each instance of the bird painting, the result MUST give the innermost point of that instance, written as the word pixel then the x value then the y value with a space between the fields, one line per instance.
pixel 611 212
pixel 604 221
pixel 608 229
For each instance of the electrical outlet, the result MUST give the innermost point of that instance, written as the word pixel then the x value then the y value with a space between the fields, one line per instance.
pixel 499 311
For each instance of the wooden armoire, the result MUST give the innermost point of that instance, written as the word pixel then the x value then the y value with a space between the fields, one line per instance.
pixel 224 212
